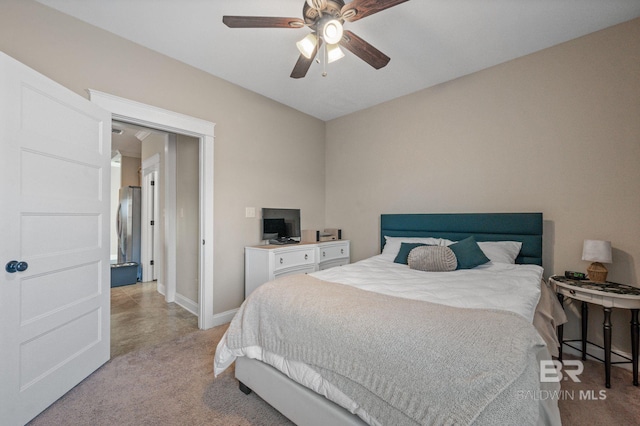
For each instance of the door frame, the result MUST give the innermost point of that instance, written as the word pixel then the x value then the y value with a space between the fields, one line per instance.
pixel 157 118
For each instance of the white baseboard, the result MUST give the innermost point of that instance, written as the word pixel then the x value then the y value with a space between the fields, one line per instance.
pixel 224 317
pixel 599 352
pixel 181 301
pixel 191 306
pixel 187 304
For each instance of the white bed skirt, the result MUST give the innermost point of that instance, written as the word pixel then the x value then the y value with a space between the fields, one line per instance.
pixel 307 408
pixel 298 403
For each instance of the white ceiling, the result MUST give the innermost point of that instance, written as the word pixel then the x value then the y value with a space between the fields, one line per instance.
pixel 429 42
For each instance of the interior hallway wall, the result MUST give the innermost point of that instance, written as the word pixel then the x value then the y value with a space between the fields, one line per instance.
pixel 130 171
pixel 187 219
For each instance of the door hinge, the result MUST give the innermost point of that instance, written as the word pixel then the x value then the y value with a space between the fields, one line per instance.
pixel 153 182
pixel 153 222
pixel 151 263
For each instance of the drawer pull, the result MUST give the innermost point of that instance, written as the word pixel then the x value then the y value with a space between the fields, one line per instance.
pixel 281 261
pixel 341 251
pixel 572 291
pixel 306 256
pixel 324 254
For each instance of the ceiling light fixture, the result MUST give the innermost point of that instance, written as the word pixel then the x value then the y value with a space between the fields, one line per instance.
pixel 325 19
pixel 332 31
pixel 334 53
pixel 307 45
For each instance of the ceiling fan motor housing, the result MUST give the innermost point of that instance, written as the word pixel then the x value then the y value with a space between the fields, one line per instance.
pixel 318 8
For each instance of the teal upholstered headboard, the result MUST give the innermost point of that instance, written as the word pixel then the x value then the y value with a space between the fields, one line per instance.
pixel 523 227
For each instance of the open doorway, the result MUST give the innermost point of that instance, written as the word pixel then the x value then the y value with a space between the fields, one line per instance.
pixel 163 169
pixel 133 112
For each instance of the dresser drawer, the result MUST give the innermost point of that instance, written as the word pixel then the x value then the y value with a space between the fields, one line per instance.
pixel 331 252
pixel 333 263
pixel 304 269
pixel 288 259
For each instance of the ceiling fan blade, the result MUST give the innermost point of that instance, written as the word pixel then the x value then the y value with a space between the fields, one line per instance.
pixel 301 67
pixel 261 22
pixel 303 64
pixel 359 9
pixel 364 50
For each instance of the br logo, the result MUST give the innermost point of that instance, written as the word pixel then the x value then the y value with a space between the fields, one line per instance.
pixel 552 370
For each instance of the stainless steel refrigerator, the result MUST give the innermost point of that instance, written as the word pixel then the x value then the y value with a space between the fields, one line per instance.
pixel 129 230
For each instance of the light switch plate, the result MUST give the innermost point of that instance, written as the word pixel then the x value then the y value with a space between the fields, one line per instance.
pixel 250 212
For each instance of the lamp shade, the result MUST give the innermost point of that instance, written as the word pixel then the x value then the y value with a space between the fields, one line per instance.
pixel 307 45
pixel 597 251
pixel 334 53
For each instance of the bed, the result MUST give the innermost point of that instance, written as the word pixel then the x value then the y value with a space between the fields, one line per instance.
pixel 377 342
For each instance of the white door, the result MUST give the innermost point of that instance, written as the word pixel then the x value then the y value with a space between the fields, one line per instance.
pixel 54 221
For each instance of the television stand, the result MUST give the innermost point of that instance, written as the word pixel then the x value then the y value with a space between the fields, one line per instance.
pixel 265 263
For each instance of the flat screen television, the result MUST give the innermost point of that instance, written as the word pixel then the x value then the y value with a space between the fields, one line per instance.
pixel 281 225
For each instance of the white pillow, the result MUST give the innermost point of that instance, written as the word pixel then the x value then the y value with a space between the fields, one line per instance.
pixel 392 244
pixel 501 251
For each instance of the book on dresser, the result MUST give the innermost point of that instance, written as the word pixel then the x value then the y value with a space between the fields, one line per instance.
pixel 268 262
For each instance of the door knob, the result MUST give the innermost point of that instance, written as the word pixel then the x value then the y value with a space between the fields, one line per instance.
pixel 11 267
pixel 14 266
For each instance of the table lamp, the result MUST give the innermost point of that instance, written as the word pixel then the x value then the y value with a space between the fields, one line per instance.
pixel 598 252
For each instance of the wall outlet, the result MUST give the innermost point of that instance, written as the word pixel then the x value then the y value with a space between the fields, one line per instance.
pixel 250 212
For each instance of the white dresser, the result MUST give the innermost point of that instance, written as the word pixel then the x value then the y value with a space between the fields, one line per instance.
pixel 265 263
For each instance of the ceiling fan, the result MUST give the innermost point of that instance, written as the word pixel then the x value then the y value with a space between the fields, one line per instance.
pixel 325 19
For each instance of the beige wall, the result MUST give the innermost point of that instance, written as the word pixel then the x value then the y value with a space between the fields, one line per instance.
pixel 187 217
pixel 557 131
pixel 129 171
pixel 252 133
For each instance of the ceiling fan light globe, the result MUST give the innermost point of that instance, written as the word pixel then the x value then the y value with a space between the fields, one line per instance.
pixel 334 53
pixel 307 45
pixel 332 31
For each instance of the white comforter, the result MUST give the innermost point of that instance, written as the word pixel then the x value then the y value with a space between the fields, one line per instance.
pixel 514 288
pixel 501 286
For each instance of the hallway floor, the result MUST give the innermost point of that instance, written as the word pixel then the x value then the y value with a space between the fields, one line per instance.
pixel 140 317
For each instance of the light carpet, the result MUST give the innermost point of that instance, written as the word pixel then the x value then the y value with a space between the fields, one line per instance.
pixel 589 402
pixel 172 384
pixel 169 384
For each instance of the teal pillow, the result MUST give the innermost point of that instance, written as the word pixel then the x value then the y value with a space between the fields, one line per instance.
pixel 403 253
pixel 468 253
